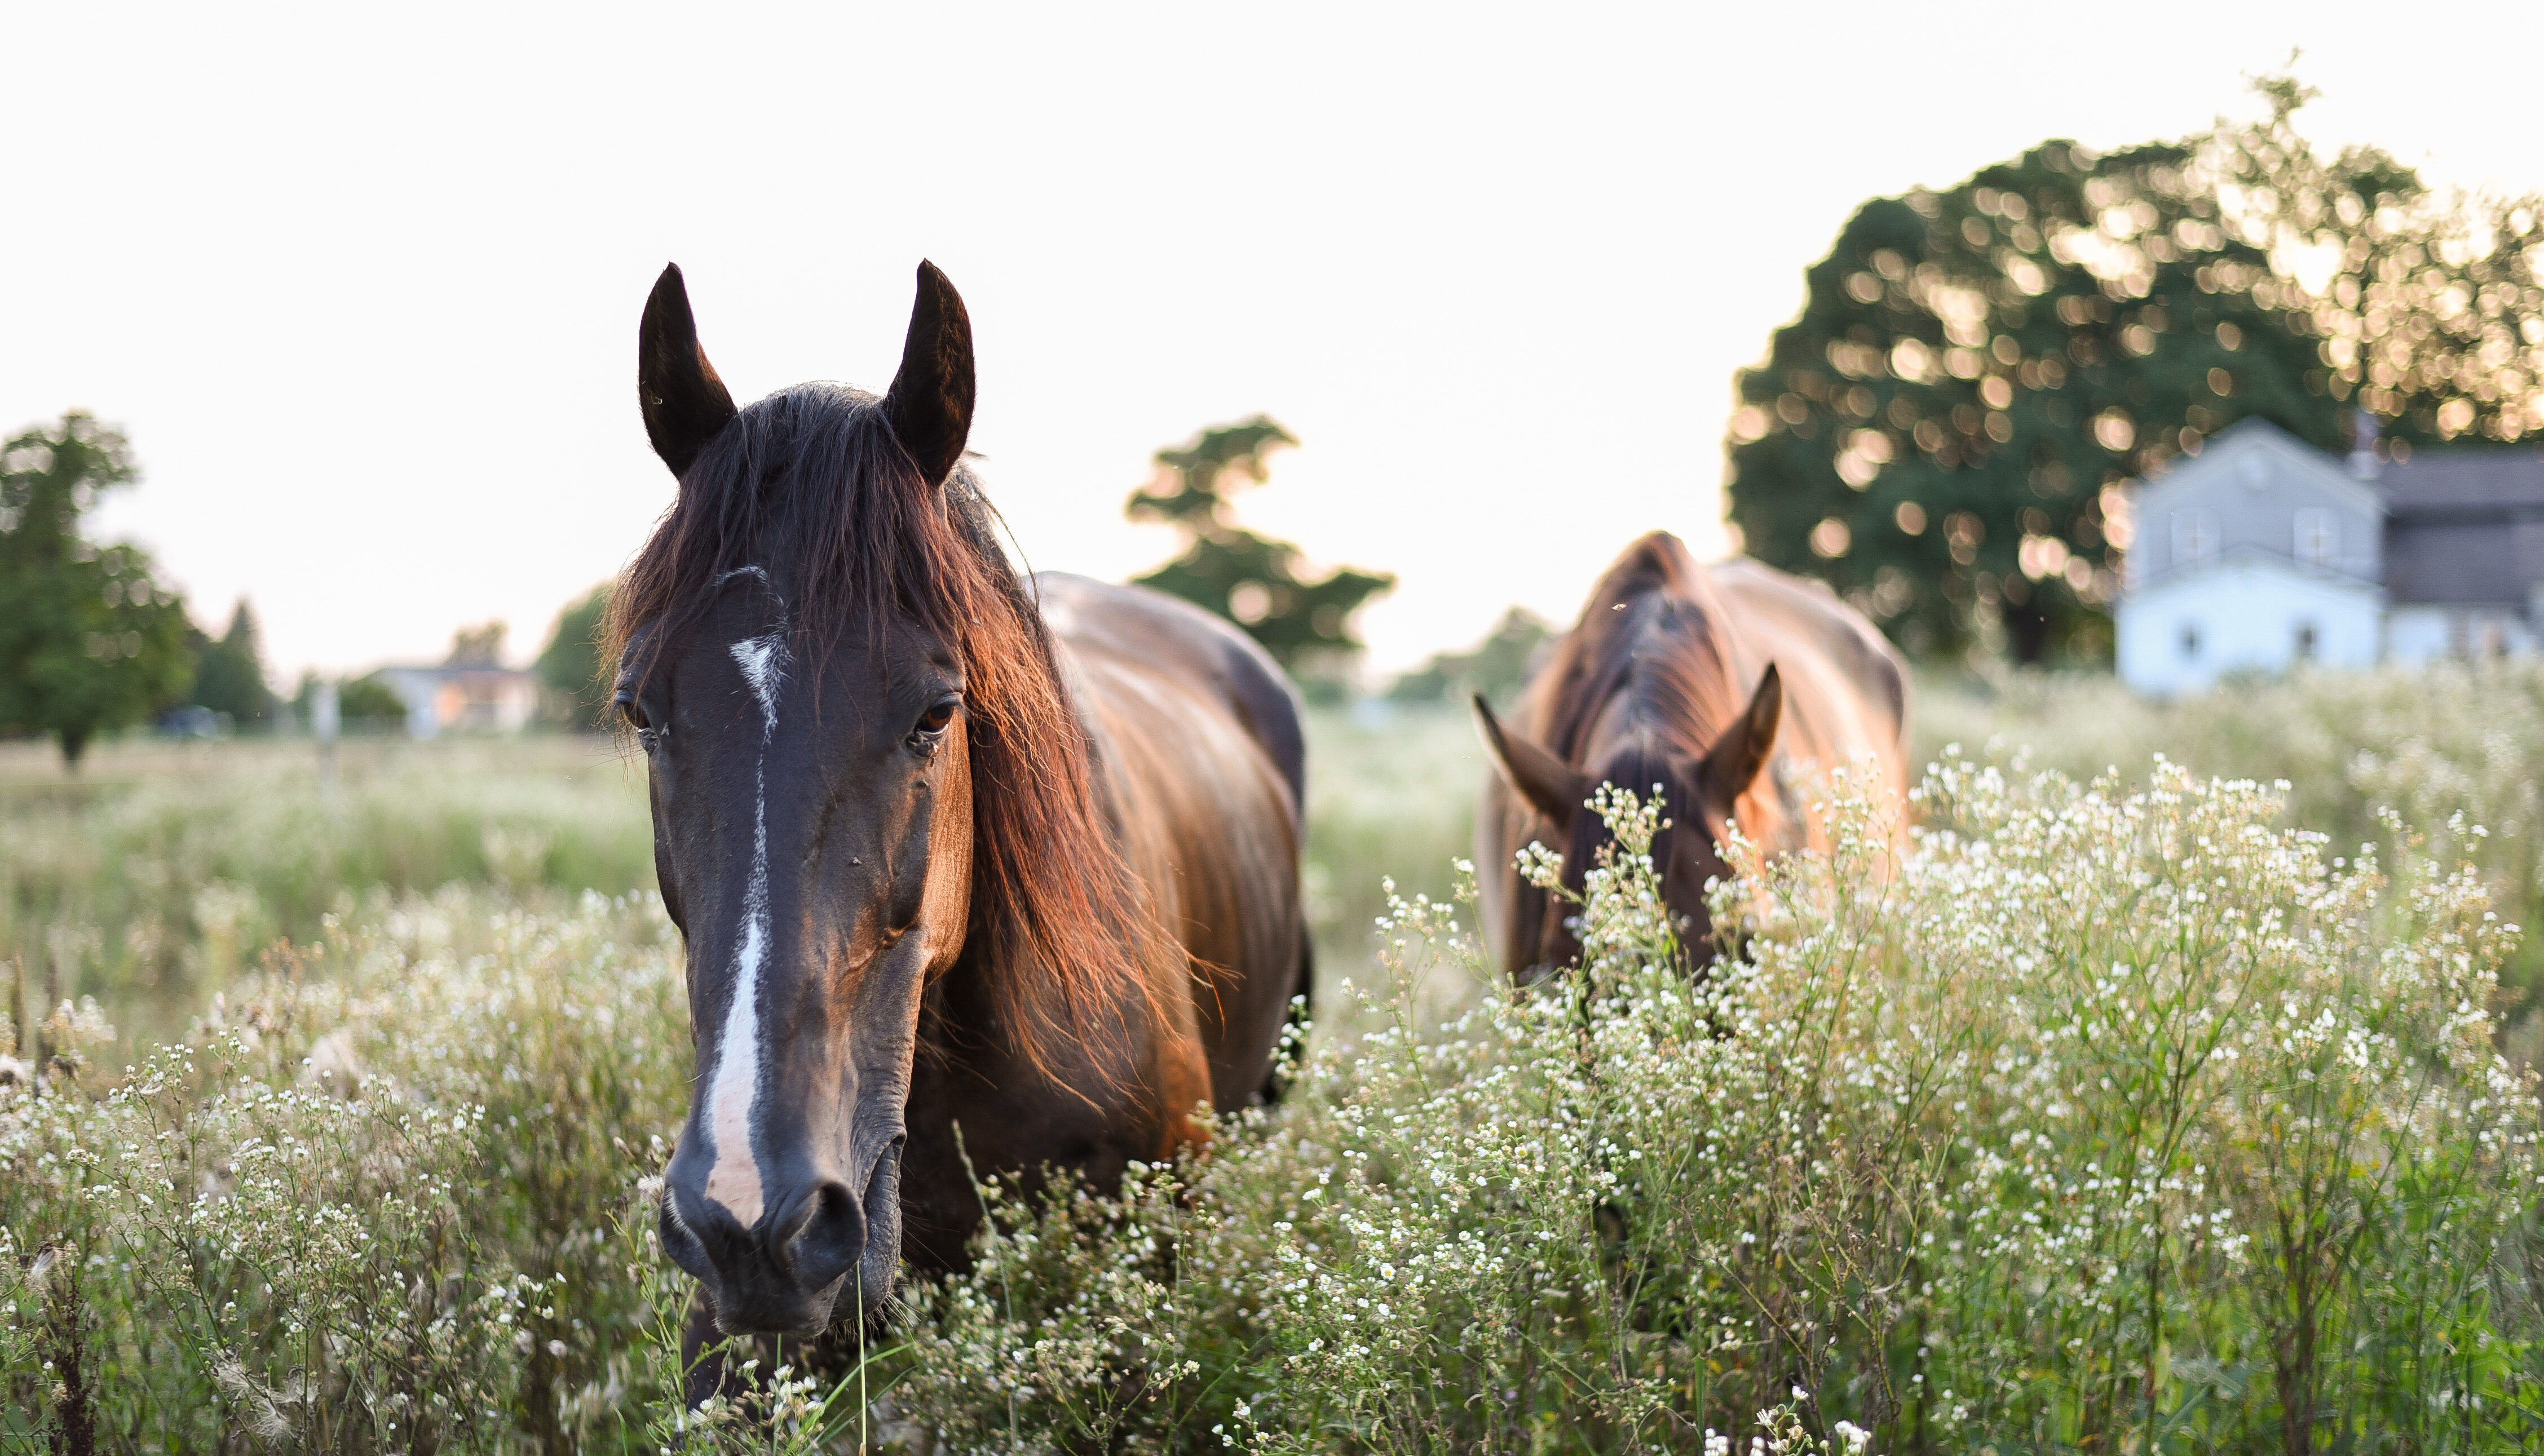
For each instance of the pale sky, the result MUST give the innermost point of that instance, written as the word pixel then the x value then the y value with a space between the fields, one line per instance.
pixel 363 285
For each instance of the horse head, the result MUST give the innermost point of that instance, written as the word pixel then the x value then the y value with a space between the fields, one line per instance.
pixel 796 659
pixel 1699 786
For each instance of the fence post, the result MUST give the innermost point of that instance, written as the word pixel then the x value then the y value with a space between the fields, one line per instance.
pixel 325 719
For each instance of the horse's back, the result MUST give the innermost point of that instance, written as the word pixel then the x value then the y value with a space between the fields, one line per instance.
pixel 1202 758
pixel 1846 689
pixel 1168 632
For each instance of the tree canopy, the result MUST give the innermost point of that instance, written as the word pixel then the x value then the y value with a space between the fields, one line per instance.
pixel 1496 667
pixel 90 639
pixel 481 645
pixel 1944 432
pixel 570 664
pixel 370 700
pixel 229 671
pixel 1249 578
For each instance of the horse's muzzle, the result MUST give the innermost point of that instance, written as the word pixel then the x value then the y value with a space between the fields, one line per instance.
pixel 786 1275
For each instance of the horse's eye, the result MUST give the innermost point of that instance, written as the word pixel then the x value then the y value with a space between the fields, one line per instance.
pixel 939 714
pixel 629 709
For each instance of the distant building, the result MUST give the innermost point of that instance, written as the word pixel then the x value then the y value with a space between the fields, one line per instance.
pixel 463 698
pixel 2263 553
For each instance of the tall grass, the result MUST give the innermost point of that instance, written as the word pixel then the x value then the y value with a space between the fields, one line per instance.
pixel 2120 1113
pixel 371 1202
pixel 2452 747
pixel 158 873
pixel 1392 793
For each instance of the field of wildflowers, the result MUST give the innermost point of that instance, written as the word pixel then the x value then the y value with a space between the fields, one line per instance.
pixel 2123 1112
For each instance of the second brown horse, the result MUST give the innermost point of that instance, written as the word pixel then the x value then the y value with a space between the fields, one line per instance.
pixel 1726 687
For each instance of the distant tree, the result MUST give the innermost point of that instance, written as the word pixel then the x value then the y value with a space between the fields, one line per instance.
pixel 477 647
pixel 570 664
pixel 1496 667
pixel 89 639
pixel 229 673
pixel 1943 432
pixel 1251 580
pixel 367 700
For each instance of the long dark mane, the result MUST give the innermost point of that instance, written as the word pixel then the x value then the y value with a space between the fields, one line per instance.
pixel 811 482
pixel 1653 635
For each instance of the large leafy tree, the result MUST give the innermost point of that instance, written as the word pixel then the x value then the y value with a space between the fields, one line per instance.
pixel 1249 578
pixel 1944 431
pixel 89 637
pixel 570 664
pixel 230 673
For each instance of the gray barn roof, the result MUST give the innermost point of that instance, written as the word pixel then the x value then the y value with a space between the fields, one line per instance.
pixel 2464 524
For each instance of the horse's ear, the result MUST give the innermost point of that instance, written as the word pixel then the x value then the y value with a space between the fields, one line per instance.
pixel 929 404
pixel 1731 765
pixel 1550 786
pixel 686 404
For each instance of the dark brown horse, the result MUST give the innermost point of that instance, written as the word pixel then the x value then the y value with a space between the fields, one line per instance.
pixel 1726 687
pixel 963 864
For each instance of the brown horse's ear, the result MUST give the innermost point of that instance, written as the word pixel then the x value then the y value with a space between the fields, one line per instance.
pixel 929 404
pixel 1731 765
pixel 1550 786
pixel 686 404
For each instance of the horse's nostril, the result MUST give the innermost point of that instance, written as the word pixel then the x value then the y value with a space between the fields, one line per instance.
pixel 829 1235
pixel 684 1246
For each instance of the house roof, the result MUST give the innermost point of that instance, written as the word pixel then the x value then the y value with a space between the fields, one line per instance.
pixel 2252 433
pixel 2461 562
pixel 2464 524
pixel 2465 478
pixel 2461 524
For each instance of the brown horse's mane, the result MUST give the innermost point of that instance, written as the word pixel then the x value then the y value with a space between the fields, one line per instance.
pixel 1651 635
pixel 811 482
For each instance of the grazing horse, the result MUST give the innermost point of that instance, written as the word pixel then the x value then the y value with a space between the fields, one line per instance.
pixel 1695 680
pixel 965 866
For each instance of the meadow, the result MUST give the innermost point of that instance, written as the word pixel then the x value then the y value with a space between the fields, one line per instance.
pixel 2135 1108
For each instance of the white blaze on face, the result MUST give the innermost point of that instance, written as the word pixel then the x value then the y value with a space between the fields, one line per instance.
pixel 734 1181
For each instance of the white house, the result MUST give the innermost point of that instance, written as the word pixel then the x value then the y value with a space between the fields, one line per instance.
pixel 2263 553
pixel 463 697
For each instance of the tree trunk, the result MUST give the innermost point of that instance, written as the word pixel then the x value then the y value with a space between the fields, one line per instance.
pixel 74 743
pixel 2027 631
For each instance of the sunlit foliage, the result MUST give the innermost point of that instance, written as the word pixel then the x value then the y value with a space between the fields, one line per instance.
pixel 1944 432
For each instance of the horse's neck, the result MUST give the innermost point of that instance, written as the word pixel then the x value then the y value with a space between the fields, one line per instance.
pixel 980 1110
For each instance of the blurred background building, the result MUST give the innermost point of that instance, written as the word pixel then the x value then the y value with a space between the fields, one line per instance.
pixel 2263 553
pixel 469 691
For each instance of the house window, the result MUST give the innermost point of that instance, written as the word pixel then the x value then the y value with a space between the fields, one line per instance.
pixel 2190 639
pixel 2318 536
pixel 2305 641
pixel 2195 537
